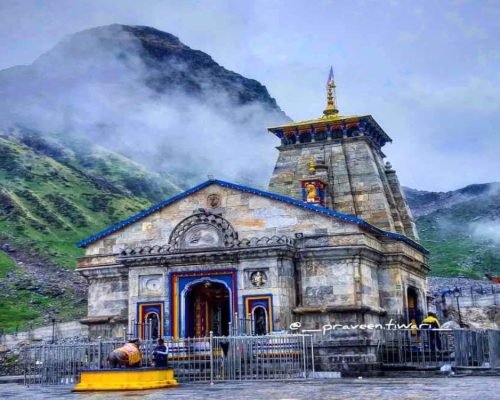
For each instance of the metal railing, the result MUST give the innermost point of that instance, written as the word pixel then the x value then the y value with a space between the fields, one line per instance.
pixel 238 326
pixel 144 331
pixel 427 348
pixel 203 359
pixel 270 357
pixel 241 326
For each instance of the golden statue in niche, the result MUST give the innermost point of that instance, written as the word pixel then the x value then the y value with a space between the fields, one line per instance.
pixel 312 192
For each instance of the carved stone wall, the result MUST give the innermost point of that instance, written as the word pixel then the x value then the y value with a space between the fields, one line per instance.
pixel 356 180
pixel 313 266
pixel 202 230
pixel 249 215
pixel 108 293
pixel 151 284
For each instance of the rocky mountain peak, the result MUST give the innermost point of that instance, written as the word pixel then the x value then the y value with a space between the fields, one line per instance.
pixel 461 228
pixel 164 62
pixel 142 93
pixel 424 202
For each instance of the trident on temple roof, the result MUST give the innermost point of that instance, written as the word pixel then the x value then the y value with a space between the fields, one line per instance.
pixel 331 105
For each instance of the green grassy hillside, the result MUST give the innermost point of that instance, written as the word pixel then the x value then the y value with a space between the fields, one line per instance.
pixel 52 195
pixel 31 294
pixel 55 191
pixel 7 265
pixel 460 228
pixel 11 308
pixel 48 206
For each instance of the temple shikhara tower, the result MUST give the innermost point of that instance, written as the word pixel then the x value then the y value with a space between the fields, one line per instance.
pixel 332 241
pixel 341 156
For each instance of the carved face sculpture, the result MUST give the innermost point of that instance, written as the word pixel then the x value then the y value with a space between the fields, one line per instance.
pixel 258 278
pixel 213 200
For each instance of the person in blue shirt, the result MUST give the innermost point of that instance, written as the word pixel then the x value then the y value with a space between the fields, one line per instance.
pixel 160 354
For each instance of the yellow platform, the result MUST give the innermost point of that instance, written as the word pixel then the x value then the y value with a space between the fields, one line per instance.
pixel 126 379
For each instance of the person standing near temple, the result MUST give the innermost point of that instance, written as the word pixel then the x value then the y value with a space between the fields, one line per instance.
pixel 432 323
pixel 160 354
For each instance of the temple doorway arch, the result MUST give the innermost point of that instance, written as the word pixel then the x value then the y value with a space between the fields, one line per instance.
pixel 259 318
pixel 414 308
pixel 149 323
pixel 206 306
pixel 152 328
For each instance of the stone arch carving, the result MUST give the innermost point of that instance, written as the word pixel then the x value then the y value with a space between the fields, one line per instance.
pixel 203 230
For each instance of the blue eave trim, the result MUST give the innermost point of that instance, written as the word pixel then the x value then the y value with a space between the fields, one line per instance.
pixel 274 196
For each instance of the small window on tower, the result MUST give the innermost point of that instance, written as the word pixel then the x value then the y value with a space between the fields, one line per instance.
pixel 291 139
pixel 305 137
pixel 337 134
pixel 319 136
pixel 313 191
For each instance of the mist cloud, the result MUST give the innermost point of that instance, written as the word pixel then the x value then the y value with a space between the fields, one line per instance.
pixel 426 72
pixel 486 230
pixel 95 88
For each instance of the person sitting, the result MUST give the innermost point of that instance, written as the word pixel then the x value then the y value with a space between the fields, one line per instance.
pixel 160 354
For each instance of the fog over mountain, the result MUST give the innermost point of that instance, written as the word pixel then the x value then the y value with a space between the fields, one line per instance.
pixel 143 93
pixel 180 116
pixel 461 228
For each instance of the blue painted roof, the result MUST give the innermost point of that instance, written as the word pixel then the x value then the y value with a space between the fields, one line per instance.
pixel 274 196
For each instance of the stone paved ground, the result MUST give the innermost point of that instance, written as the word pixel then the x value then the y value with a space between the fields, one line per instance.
pixel 478 388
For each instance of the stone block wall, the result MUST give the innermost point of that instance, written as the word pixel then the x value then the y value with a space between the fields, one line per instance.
pixel 394 280
pixel 409 226
pixel 108 296
pixel 327 281
pixel 333 269
pixel 250 215
pixel 356 178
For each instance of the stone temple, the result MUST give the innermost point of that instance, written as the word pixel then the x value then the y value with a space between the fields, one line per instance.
pixel 331 241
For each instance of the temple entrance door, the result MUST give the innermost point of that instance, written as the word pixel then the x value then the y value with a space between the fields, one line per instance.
pixel 413 314
pixel 208 309
pixel 152 328
pixel 259 321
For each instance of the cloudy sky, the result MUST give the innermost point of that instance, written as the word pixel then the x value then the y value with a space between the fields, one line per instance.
pixel 428 71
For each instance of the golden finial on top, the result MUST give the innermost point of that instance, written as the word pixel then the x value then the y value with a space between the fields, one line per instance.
pixel 312 166
pixel 331 104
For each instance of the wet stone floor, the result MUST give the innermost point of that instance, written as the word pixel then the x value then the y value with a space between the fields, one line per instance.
pixel 478 388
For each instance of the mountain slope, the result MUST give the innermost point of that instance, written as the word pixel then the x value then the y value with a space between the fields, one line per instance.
pixel 141 92
pixel 51 196
pixel 72 122
pixel 461 228
pixel 178 66
pixel 82 127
